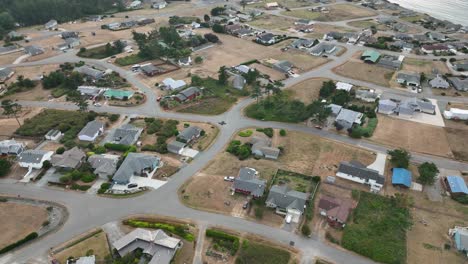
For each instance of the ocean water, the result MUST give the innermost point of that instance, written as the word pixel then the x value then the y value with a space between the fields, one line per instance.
pixel 455 11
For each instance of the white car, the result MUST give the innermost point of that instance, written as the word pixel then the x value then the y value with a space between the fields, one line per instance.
pixel 288 219
pixel 98 104
pixel 229 178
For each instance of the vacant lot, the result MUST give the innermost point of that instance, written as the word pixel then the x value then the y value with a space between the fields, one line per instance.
pixel 256 253
pixel 274 74
pixel 412 136
pixel 272 22
pixel 96 243
pixel 308 90
pixel 338 12
pixel 320 29
pixel 363 23
pixel 365 72
pixel 10 125
pixel 286 3
pixel 458 142
pixel 426 66
pixel 19 220
pixel 303 153
pixel 303 61
pixel 10 58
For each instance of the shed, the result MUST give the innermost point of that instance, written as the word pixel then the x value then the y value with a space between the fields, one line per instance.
pixel 401 177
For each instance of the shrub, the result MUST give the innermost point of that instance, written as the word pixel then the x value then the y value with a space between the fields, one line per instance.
pixel 60 150
pixel 18 243
pixel 99 149
pixel 114 117
pixel 306 230
pixel 268 131
pixel 5 167
pixel 399 158
pixel 46 164
pixel 105 185
pixel 259 212
pixel 88 178
pixel 179 230
pixel 282 132
pixel 226 240
pixel 427 173
pixel 117 147
pixel 65 179
pixel 198 60
pixel 246 133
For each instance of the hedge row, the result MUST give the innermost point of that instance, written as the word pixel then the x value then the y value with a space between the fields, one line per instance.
pixel 18 243
pixel 224 236
pixel 179 230
pixel 117 147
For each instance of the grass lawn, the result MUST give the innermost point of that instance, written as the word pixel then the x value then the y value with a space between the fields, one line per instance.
pixel 97 244
pixel 296 181
pixel 95 53
pixel 255 253
pixel 130 60
pixel 216 99
pixel 378 229
pixel 365 72
pixel 307 91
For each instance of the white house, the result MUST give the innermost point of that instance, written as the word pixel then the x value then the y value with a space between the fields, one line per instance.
pixel 172 84
pixel 54 135
pixel 185 61
pixel 33 159
pixel 159 5
pixel 344 86
pixel 91 131
pixel 456 113
pixel 357 172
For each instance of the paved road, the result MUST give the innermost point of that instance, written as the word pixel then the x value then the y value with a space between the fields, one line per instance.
pixel 86 211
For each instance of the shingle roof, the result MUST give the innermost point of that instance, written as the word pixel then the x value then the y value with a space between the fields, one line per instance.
pixel 284 197
pixel 104 163
pixel 175 146
pixel 134 164
pixel 69 159
pixel 126 134
pixel 189 132
pixel 91 128
pixel 351 168
pixel 32 156
pixel 248 181
pixel 335 207
pixel 86 70
pixel 439 82
pixel 409 77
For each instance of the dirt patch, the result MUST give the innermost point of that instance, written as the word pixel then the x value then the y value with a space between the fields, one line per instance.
pixel 308 90
pixel 10 57
pixel 412 136
pixel 97 243
pixel 10 125
pixel 457 139
pixel 426 66
pixel 19 220
pixel 274 74
pixel 338 12
pixel 365 72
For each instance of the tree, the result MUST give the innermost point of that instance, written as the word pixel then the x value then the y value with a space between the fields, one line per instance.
pixel 399 158
pixel 222 75
pixel 256 92
pixel 251 76
pixel 211 37
pixel 197 80
pixel 206 18
pixel 218 28
pixel 282 132
pixel 305 230
pixel 341 97
pixel 5 166
pixel 427 173
pixel 80 102
pixel 328 88
pixel 11 109
pixel 198 59
pixel 219 10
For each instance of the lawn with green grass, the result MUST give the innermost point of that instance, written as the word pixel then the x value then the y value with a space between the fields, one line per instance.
pixel 130 60
pixel 378 228
pixel 255 253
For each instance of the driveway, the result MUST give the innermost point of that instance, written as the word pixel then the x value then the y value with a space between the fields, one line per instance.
pixel 141 182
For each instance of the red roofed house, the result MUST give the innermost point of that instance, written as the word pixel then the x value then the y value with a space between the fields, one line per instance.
pixel 434 48
pixel 335 210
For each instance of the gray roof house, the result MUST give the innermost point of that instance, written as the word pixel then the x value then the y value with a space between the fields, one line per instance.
pixel 439 82
pixel 303 43
pixel 390 62
pixel 33 50
pixel 11 147
pixel 285 199
pixel 357 172
pixel 247 182
pixel 461 66
pixel 238 81
pixel 155 243
pixel 91 131
pixel 5 74
pixel 387 107
pixel 91 91
pixel 459 83
pixel 175 147
pixel 70 159
pixel 69 34
pixel 347 118
pixel 52 24
pixel 283 66
pixel 33 159
pixel 136 164
pixel 90 72
pixel 125 135
pixel 367 95
pixel 323 48
pixel 335 109
pixel 261 147
pixel 104 165
pixel 188 134
pixel 410 105
pixel 409 78
pixel 266 38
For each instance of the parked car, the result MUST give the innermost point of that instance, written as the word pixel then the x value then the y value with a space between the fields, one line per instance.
pixel 132 185
pixel 288 219
pixel 229 178
pixel 245 205
pixel 98 104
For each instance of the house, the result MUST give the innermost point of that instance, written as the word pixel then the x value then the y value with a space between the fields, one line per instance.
pixel 287 201
pixel 460 236
pixel 456 186
pixel 33 50
pixel 387 107
pixel 461 66
pixel 185 61
pixel 90 91
pixel 401 177
pixel 134 5
pixel 237 81
pixel 231 29
pixel 244 32
pixel 91 131
pixel 69 34
pixel 187 94
pixel 335 210
pixel 175 147
pixel 266 39
pixel 271 5
pixel 70 159
pixel 158 5
pixel 149 69
pixel 434 48
pixel 437 36
pixel 370 56
pixel 421 38
pixel 155 243
pixel 457 82
pixel 51 25
pixel 283 66
pixel 125 135
pixel 335 109
pixel 70 43
pixel 391 62
pixel 403 36
pixel 189 134
pixel 5 74
pixel 456 114
pixel 404 46
pixel 411 105
pixel 136 164
pixel 104 165
pixel 304 28
pixel 173 85
pixel 261 147
pixel 86 260
pixel 145 21
pixel 322 48
pixel 367 95
pixel 303 22
pixel 94 18
pixel 344 86
pixel 357 172
pixel 53 134
pixel 248 183
pixel 118 94
pixel 439 82
pixel 12 35
pixel 347 118
pixel 302 43
pixel 244 18
pixel 242 68
pixel 409 78
pixel 11 147
pixel 33 159
pixel 90 72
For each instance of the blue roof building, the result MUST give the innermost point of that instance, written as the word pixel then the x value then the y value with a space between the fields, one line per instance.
pixel 402 177
pixel 456 185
